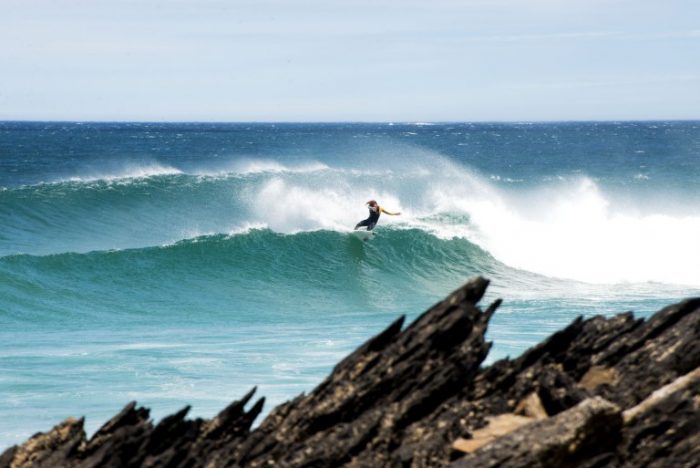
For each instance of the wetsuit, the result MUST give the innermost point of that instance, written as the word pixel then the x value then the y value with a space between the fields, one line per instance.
pixel 372 220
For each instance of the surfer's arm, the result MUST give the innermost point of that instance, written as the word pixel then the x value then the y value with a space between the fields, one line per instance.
pixel 389 212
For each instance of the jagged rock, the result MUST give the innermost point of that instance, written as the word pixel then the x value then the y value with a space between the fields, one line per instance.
pixel 655 353
pixel 129 439
pixel 418 397
pixel 587 430
pixel 362 409
pixel 497 426
pixel 47 449
pixel 118 441
pixel 597 376
pixel 665 426
pixel 531 406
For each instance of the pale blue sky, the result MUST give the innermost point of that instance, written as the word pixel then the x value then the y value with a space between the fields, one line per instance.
pixel 373 60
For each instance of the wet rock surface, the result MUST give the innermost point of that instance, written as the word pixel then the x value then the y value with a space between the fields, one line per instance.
pixel 616 391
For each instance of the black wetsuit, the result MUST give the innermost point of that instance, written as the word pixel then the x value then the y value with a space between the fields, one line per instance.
pixel 371 221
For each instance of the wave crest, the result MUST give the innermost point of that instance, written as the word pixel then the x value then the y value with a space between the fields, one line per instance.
pixel 126 172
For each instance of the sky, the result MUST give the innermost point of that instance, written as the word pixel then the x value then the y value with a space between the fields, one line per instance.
pixel 354 60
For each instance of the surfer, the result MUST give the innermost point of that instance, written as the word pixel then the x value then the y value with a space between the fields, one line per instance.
pixel 374 211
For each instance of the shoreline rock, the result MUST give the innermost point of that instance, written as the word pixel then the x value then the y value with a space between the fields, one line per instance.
pixel 419 397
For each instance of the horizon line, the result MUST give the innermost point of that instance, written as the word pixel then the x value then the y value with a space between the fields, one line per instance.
pixel 382 122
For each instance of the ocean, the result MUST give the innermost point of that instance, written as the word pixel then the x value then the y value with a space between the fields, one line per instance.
pixel 184 263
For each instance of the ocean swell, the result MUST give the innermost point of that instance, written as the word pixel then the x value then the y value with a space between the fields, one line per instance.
pixel 566 228
pixel 235 274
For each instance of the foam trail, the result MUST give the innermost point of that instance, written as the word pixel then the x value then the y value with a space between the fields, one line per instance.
pixel 127 171
pixel 248 166
pixel 239 167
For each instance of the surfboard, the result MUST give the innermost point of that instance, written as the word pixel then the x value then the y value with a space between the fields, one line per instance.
pixel 362 234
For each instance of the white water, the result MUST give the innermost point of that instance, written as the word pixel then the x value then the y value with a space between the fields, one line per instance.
pixel 568 229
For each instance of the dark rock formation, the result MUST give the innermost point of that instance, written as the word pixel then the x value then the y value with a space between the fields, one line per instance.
pixel 665 426
pixel 602 392
pixel 571 438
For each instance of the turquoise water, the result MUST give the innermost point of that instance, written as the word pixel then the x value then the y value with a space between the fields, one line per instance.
pixel 184 263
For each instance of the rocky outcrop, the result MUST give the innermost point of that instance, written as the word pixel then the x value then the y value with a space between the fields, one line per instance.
pixel 571 438
pixel 613 391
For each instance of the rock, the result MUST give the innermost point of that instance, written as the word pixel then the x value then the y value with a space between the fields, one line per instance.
pixel 597 376
pixel 665 427
pixel 363 408
pixel 584 431
pixel 419 397
pixel 655 353
pixel 118 441
pixel 497 426
pixel 531 406
pixel 48 449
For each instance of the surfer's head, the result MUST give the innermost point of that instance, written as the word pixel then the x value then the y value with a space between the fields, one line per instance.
pixel 372 203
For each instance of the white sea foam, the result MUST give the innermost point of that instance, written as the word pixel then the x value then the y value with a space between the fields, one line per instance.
pixel 568 228
pixel 577 232
pixel 292 207
pixel 125 172
pixel 246 228
pixel 241 167
pixel 249 166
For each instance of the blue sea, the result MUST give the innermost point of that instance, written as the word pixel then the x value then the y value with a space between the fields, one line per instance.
pixel 178 264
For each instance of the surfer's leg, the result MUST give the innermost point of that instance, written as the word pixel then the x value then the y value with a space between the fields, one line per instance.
pixel 364 222
pixel 370 226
